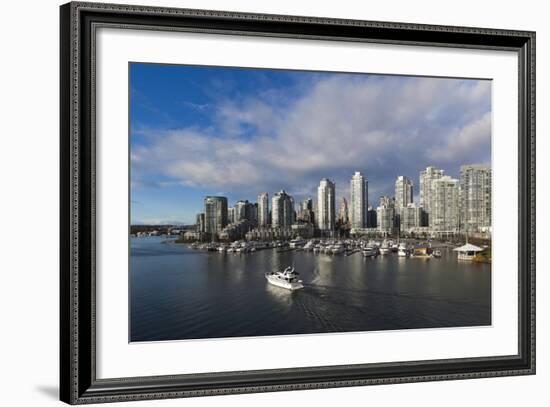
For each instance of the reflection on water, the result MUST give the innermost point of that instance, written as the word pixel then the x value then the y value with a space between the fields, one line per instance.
pixel 283 297
pixel 179 293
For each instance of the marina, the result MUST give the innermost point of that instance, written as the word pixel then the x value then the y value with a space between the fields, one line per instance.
pixel 217 290
pixel 409 248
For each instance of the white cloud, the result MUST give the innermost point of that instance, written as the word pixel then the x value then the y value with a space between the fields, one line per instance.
pixel 383 126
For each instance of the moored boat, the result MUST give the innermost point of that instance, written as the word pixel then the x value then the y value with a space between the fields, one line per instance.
pixel 422 253
pixel 297 242
pixel 369 252
pixel 337 248
pixel 309 246
pixel 402 250
pixel 384 247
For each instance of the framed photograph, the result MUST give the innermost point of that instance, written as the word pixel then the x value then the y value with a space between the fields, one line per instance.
pixel 255 203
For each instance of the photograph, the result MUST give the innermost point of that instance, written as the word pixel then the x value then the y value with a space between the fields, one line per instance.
pixel 267 202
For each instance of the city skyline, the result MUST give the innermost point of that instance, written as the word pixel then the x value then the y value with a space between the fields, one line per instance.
pixel 456 206
pixel 198 131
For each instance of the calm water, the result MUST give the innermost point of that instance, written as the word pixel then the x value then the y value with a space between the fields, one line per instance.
pixel 180 293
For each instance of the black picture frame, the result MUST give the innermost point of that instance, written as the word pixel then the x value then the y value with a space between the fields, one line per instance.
pixel 78 382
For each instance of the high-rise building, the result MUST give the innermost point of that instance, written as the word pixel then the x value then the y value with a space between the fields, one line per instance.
pixel 326 212
pixel 444 213
pixel 215 214
pixel 200 222
pixel 293 210
pixel 403 192
pixel 282 211
pixel 371 217
pixel 263 209
pixel 387 201
pixel 385 215
pixel 244 210
pixel 230 215
pixel 343 212
pixel 359 200
pixel 254 213
pixel 306 205
pixel 305 212
pixel 426 177
pixel 410 217
pixel 475 197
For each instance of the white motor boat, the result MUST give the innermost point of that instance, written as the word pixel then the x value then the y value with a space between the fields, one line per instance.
pixel 337 248
pixel 297 242
pixel 384 248
pixel 309 246
pixel 244 248
pixel 403 251
pixel 369 252
pixel 288 278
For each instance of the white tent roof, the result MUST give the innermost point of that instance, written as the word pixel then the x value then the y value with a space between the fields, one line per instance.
pixel 468 248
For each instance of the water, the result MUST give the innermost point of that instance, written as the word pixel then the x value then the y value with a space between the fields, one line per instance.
pixel 180 293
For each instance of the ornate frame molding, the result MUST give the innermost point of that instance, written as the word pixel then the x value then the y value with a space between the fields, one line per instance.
pixel 77 176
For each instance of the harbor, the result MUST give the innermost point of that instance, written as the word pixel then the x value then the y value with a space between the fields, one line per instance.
pixel 216 290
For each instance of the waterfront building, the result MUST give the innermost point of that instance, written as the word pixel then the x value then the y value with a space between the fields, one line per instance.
pixel 326 195
pixel 423 218
pixel 444 208
pixel 468 252
pixel 343 213
pixel 263 209
pixel 305 211
pixel 254 212
pixel 235 231
pixel 403 192
pixel 427 176
pixel 194 236
pixel 385 215
pixel 245 210
pixel 230 215
pixel 267 234
pixel 215 214
pixel 410 218
pixel 371 217
pixel 304 230
pixel 419 231
pixel 200 223
pixel 282 210
pixel 365 232
pixel 293 210
pixel 306 205
pixel 387 201
pixel 475 198
pixel 359 200
pixel 240 210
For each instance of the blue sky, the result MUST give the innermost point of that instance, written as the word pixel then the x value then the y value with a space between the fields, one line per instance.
pixel 197 131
